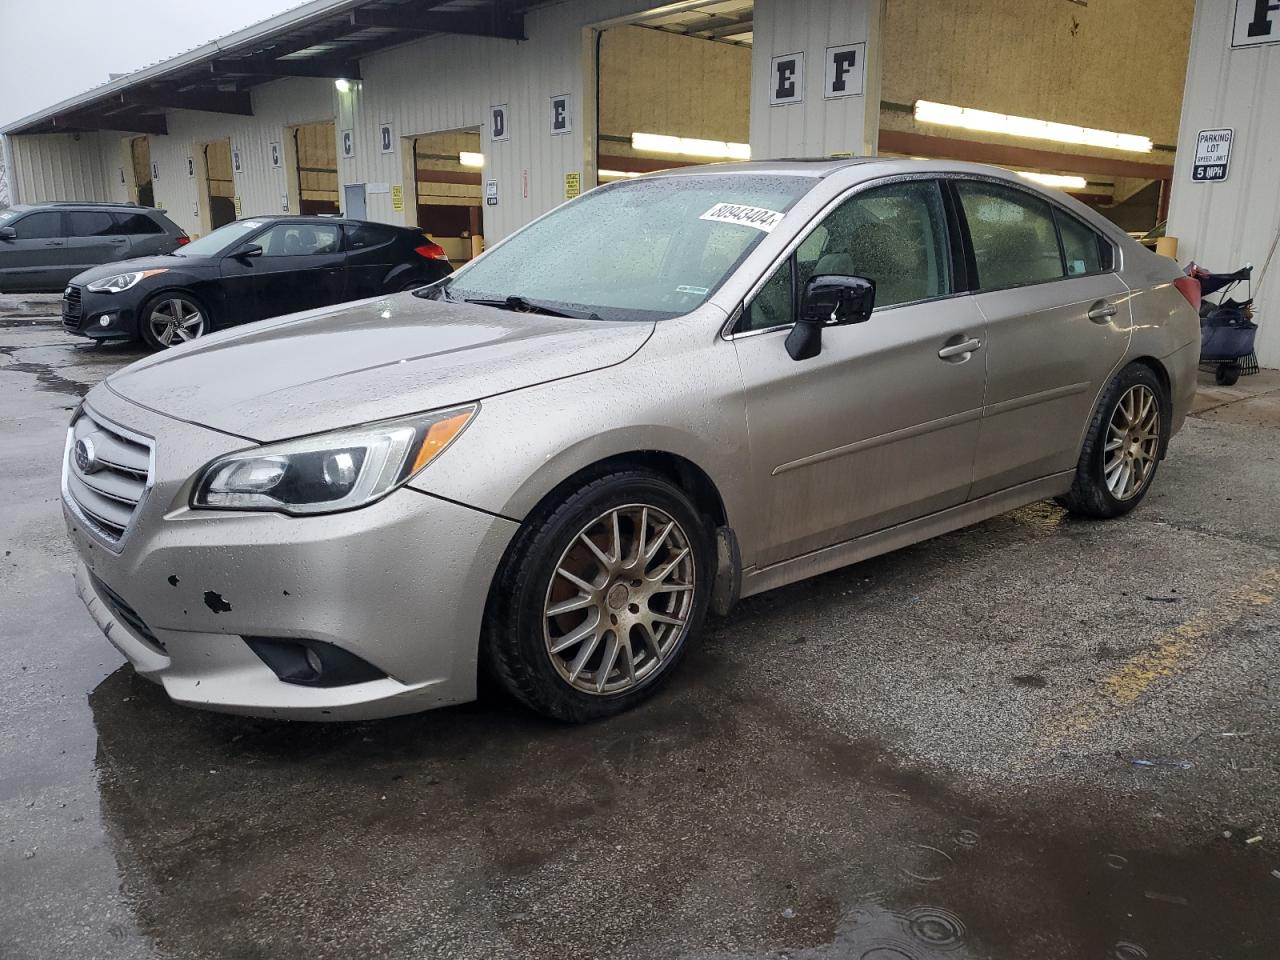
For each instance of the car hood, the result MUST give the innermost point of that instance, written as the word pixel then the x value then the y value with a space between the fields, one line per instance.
pixel 369 360
pixel 117 267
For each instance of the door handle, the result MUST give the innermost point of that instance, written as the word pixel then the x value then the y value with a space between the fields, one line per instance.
pixel 120 240
pixel 1102 311
pixel 54 243
pixel 957 349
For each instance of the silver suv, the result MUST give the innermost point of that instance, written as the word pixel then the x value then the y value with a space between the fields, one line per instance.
pixel 665 395
pixel 43 246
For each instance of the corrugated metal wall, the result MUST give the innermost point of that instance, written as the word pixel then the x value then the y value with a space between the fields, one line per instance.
pixel 816 126
pixel 60 166
pixel 1224 225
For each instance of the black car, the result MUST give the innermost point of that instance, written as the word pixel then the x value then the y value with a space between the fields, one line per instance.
pixel 249 270
pixel 42 246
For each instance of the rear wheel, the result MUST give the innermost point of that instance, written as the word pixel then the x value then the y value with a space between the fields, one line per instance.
pixel 598 600
pixel 1122 450
pixel 171 318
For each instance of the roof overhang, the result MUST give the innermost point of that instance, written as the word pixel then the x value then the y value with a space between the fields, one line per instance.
pixel 321 38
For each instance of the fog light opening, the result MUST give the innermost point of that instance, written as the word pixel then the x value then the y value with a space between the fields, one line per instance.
pixel 106 320
pixel 313 663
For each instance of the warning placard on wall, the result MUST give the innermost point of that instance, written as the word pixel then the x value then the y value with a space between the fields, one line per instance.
pixel 397 197
pixel 572 185
pixel 1213 155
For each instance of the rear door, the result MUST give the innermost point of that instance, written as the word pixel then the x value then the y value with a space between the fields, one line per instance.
pixel 1058 323
pixel 147 238
pixel 35 259
pixel 94 237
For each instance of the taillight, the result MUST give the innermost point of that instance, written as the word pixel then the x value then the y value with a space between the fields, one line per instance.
pixel 430 250
pixel 1189 287
pixel 183 240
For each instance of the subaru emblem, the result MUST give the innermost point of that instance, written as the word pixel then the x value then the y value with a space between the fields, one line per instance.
pixel 86 456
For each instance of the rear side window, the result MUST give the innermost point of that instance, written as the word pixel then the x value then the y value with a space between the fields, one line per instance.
pixel 299 240
pixel 1081 247
pixel 46 225
pixel 90 223
pixel 1013 234
pixel 363 235
pixel 136 224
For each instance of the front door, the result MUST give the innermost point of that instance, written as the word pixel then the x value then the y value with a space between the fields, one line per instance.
pixel 301 267
pixel 35 258
pixel 881 426
pixel 1058 323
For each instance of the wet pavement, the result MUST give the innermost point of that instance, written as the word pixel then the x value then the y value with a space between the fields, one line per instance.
pixel 1036 738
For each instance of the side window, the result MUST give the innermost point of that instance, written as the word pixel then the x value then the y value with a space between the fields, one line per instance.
pixel 136 224
pixel 774 305
pixel 299 240
pixel 1081 247
pixel 46 225
pixel 90 223
pixel 1013 235
pixel 895 235
pixel 363 235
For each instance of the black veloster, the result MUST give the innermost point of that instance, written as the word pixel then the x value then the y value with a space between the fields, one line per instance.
pixel 248 270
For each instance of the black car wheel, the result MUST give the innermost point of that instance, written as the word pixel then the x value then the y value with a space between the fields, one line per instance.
pixel 171 318
pixel 599 597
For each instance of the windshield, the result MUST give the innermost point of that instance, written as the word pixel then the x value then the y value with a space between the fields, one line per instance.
pixel 220 239
pixel 7 215
pixel 642 249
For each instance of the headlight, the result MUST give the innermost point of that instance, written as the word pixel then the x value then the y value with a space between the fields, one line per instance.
pixel 331 471
pixel 123 281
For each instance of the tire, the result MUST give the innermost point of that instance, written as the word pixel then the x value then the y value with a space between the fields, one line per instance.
pixel 531 649
pixel 1227 374
pixel 1102 487
pixel 177 302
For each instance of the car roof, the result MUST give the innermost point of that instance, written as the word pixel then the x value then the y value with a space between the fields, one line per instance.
pixel 319 219
pixel 109 204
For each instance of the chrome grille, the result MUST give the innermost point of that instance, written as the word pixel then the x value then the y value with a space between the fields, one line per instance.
pixel 71 307
pixel 105 474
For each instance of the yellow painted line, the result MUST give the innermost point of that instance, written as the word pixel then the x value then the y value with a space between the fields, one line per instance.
pixel 1172 654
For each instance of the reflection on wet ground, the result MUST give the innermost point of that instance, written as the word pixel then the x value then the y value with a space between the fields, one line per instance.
pixel 873 765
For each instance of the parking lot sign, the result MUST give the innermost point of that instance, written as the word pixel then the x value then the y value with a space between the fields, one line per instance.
pixel 1213 155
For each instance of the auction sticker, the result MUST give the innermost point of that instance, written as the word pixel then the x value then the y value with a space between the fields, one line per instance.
pixel 758 217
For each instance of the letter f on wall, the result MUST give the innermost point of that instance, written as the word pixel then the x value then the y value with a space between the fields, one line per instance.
pixel 1260 25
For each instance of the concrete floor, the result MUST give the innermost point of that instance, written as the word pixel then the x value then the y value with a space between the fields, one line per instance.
pixel 929 755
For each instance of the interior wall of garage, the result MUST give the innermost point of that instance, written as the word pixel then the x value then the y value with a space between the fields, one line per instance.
pixel 657 82
pixel 1114 65
pixel 262 189
pixel 450 82
pixel 816 126
pixel 1223 226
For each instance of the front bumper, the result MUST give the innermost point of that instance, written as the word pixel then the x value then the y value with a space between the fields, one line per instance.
pixel 401 583
pixel 82 311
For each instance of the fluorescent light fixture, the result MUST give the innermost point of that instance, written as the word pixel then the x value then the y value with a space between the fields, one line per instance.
pixel 469 159
pixel 342 84
pixel 983 120
pixel 690 147
pixel 1060 180
pixel 617 174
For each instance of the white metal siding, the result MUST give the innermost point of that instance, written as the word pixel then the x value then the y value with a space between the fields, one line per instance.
pixel 58 166
pixel 1224 225
pixel 815 127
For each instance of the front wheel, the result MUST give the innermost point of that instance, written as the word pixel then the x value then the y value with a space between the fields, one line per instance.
pixel 1122 449
pixel 598 599
pixel 171 318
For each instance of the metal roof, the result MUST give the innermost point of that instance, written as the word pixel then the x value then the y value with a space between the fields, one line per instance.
pixel 321 38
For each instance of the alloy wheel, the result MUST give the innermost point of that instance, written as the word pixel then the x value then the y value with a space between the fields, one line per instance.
pixel 619 601
pixel 1133 443
pixel 175 320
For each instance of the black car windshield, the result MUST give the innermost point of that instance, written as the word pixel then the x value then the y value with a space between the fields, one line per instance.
pixel 218 240
pixel 641 249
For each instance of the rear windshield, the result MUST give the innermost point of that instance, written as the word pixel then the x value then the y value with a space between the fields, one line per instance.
pixel 640 249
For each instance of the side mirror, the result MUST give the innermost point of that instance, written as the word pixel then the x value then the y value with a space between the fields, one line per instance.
pixel 829 300
pixel 248 252
pixel 8 233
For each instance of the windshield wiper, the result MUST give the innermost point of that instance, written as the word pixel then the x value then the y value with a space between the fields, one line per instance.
pixel 520 305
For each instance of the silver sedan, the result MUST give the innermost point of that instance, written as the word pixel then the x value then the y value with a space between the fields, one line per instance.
pixel 668 394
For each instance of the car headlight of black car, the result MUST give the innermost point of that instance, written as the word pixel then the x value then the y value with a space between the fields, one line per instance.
pixel 122 281
pixel 330 471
